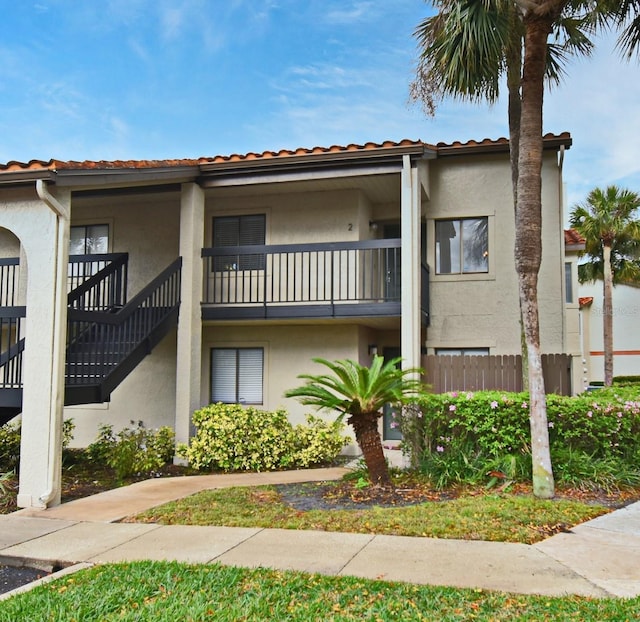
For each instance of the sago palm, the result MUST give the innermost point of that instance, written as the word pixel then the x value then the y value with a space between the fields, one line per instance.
pixel 608 222
pixel 359 393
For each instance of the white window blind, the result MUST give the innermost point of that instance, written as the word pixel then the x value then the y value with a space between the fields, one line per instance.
pixel 236 375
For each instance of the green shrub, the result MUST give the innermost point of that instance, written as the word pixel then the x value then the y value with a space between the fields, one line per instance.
pixel 465 437
pixel 9 447
pixel 230 437
pixel 133 451
pixel 318 442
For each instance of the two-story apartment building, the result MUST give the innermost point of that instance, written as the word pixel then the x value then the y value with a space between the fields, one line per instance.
pixel 142 290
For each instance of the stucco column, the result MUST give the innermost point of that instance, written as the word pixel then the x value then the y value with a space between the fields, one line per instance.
pixel 189 349
pixel 43 228
pixel 410 231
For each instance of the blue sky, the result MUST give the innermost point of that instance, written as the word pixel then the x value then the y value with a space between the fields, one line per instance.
pixel 154 79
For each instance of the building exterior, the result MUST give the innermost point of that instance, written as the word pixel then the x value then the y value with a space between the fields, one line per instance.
pixel 140 291
pixel 626 337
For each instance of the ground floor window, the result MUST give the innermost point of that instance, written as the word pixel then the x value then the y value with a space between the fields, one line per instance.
pixel 463 351
pixel 237 375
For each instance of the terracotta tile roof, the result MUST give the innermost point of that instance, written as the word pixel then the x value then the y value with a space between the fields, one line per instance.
pixel 586 301
pixel 573 238
pixel 487 144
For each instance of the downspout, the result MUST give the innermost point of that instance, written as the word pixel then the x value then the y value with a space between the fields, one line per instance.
pixel 563 255
pixel 54 442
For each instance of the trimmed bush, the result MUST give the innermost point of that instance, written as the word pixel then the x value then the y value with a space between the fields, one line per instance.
pixel 133 451
pixel 230 437
pixel 471 437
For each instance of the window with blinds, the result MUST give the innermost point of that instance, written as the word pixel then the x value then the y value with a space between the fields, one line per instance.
pixel 236 375
pixel 245 230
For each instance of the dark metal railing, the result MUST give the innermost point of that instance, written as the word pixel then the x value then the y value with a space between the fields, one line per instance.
pixel 424 294
pixel 321 273
pixel 97 342
pixel 98 282
pixel 9 281
pixel 11 346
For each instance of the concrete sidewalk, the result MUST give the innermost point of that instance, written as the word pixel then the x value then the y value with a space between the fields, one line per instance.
pixel 600 558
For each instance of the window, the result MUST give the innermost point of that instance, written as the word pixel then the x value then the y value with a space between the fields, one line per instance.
pixel 236 375
pixel 568 283
pixel 89 239
pixel 462 246
pixel 463 351
pixel 239 231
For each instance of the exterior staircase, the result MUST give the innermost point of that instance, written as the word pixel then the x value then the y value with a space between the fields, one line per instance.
pixel 107 336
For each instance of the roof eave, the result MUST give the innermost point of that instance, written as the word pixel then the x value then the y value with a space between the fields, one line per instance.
pixel 19 178
pixel 117 177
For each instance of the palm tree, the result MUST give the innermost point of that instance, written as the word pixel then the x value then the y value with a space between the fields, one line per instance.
pixel 360 392
pixel 608 222
pixel 466 49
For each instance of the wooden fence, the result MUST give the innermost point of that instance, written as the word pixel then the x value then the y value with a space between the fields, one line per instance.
pixel 483 373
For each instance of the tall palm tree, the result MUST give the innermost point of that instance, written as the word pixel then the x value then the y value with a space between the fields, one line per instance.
pixel 466 50
pixel 608 222
pixel 359 393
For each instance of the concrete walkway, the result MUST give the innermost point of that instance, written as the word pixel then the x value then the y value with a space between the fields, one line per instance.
pixel 600 558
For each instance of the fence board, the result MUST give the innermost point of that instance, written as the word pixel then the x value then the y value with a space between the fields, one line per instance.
pixel 498 372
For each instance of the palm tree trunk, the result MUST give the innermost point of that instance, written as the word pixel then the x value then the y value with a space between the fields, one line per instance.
pixel 365 426
pixel 528 245
pixel 607 315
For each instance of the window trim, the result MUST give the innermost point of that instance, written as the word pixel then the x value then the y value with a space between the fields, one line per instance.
pixel 466 351
pixel 461 273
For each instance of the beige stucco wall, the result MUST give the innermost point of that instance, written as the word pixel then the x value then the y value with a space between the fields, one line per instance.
pixel 626 335
pixel 147 395
pixel 300 217
pixel 288 351
pixel 481 310
pixel 146 227
pixel 9 244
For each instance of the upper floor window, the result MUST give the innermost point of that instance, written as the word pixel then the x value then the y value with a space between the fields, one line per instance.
pixel 245 230
pixel 462 246
pixel 568 280
pixel 89 239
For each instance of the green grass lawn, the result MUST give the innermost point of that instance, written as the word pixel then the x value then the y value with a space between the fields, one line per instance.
pixel 496 517
pixel 171 592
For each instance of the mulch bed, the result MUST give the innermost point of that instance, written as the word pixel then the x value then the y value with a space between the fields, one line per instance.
pixel 347 495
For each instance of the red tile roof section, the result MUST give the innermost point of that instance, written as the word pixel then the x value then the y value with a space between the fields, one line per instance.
pixel 572 237
pixel 53 165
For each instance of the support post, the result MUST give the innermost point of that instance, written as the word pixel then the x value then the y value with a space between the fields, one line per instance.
pixel 189 348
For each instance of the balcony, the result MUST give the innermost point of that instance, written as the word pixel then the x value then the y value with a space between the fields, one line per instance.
pixel 321 280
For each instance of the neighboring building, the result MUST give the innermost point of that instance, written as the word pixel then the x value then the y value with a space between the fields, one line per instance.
pixel 270 259
pixel 626 333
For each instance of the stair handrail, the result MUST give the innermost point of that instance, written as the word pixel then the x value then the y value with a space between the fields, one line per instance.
pixel 116 269
pixel 121 315
pixel 124 331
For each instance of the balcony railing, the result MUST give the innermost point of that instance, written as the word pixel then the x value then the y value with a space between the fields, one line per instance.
pixel 9 281
pixel 303 280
